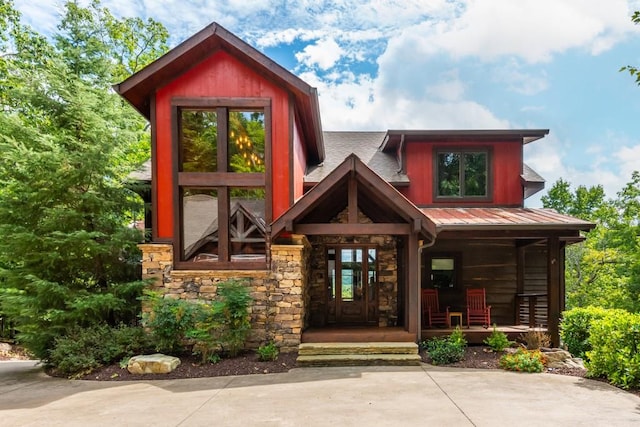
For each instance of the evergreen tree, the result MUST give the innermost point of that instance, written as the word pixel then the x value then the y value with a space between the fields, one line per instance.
pixel 67 142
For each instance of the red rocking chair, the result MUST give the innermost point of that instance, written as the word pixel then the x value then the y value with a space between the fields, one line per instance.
pixel 431 313
pixel 477 309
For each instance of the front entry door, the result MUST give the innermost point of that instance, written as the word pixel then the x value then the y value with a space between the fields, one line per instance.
pixel 352 285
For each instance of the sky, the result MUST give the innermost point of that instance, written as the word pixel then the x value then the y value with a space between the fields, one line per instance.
pixel 445 64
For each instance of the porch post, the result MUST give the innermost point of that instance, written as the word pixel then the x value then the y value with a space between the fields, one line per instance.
pixel 554 268
pixel 413 300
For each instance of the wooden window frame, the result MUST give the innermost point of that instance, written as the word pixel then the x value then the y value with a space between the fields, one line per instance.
pixel 463 198
pixel 457 268
pixel 220 181
pixel 376 303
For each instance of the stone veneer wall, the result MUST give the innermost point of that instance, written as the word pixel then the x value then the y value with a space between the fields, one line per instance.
pixel 278 309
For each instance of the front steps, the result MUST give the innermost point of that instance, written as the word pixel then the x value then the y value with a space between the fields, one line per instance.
pixel 358 354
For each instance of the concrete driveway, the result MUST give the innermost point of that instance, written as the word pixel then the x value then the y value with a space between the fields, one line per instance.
pixel 353 396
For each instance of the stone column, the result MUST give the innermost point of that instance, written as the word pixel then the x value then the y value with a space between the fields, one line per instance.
pixel 286 300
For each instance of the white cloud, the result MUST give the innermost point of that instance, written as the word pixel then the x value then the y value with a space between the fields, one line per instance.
pixel 629 160
pixel 325 53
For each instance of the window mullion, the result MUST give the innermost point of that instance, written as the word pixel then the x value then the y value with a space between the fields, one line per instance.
pixel 223 223
pixel 222 114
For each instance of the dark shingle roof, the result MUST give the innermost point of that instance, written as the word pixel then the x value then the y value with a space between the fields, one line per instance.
pixel 365 145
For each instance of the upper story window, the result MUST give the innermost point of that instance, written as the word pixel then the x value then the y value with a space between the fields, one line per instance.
pixel 223 208
pixel 462 174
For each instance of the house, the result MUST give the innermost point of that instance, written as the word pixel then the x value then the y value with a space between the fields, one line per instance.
pixel 334 229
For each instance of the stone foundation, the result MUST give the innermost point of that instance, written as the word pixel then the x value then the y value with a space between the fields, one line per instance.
pixel 278 309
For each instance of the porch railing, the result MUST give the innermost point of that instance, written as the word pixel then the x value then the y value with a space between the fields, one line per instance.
pixel 531 309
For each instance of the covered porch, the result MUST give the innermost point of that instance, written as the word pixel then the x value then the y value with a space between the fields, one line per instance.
pixel 516 255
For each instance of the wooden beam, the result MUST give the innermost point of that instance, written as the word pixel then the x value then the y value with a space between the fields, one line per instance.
pixel 553 289
pixel 353 199
pixel 351 229
pixel 413 286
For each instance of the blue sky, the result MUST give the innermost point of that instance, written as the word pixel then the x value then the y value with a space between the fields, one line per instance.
pixel 445 64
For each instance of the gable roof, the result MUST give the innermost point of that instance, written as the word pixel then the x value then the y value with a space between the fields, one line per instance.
pixel 353 185
pixel 139 88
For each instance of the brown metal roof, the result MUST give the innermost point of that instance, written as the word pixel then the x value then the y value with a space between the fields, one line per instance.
pixel 503 219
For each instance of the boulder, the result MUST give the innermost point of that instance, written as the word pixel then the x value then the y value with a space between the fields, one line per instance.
pixel 558 358
pixel 152 364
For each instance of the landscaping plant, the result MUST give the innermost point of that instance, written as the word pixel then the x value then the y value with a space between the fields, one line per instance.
pixel 498 340
pixel 535 340
pixel 169 320
pixel 575 328
pixel 523 361
pixel 615 353
pixel 268 352
pixel 447 350
pixel 223 327
pixel 84 349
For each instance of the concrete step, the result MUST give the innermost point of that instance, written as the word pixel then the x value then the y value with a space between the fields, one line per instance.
pixel 359 360
pixel 358 354
pixel 311 349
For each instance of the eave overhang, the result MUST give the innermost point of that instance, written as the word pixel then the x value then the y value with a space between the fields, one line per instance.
pixel 394 137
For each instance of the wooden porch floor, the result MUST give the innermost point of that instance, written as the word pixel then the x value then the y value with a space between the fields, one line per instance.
pixel 357 334
pixel 474 334
pixel 477 334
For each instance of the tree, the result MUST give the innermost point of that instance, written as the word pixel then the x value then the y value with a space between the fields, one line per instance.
pixel 604 270
pixel 634 71
pixel 67 141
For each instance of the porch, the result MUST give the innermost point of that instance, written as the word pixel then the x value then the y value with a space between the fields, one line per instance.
pixel 474 334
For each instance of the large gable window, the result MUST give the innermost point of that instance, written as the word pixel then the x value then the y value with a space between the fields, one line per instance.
pixel 223 211
pixel 462 174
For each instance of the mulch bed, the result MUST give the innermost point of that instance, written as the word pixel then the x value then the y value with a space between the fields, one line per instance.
pixel 476 357
pixel 190 367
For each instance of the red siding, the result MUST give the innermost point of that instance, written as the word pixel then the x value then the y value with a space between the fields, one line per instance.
pixel 221 75
pixel 506 164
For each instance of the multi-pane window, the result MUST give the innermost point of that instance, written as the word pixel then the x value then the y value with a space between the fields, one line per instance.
pixel 222 212
pixel 462 174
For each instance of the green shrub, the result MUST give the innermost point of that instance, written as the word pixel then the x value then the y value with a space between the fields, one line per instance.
pixel 523 361
pixel 457 337
pixel 447 350
pixel 224 324
pixel 498 340
pixel 615 353
pixel 268 352
pixel 85 349
pixel 169 320
pixel 575 327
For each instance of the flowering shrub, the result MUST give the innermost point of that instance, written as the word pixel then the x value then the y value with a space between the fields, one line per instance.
pixel 523 361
